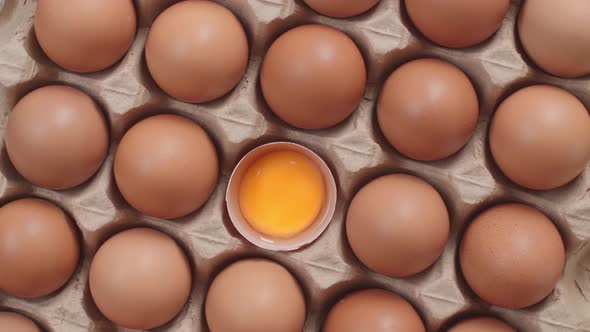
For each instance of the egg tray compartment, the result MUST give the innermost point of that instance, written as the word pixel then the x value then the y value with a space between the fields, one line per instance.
pixel 355 151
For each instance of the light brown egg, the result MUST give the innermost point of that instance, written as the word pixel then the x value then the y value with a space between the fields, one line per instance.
pixel 89 36
pixel 140 278
pixel 254 295
pixel 166 166
pixel 397 225
pixel 512 256
pixel 341 8
pixel 374 310
pixel 13 322
pixel 540 137
pixel 556 35
pixel 197 51
pixel 457 23
pixel 39 248
pixel 313 77
pixel 56 137
pixel 481 324
pixel 428 109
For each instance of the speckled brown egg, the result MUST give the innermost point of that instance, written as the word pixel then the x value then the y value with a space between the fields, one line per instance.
pixel 457 23
pixel 397 225
pixel 428 109
pixel 166 166
pixel 540 137
pixel 341 8
pixel 313 77
pixel 374 310
pixel 512 256
pixel 254 295
pixel 140 278
pixel 13 322
pixel 39 248
pixel 196 51
pixel 56 137
pixel 89 36
pixel 482 324
pixel 556 35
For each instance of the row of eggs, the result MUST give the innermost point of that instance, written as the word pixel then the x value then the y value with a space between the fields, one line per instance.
pixel 511 255
pixel 554 36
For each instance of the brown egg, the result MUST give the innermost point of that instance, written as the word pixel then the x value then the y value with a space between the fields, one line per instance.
pixel 313 77
pixel 397 225
pixel 166 166
pixel 341 8
pixel 457 23
pixel 254 295
pixel 428 109
pixel 556 35
pixel 39 248
pixel 197 51
pixel 512 256
pixel 374 310
pixel 56 137
pixel 482 324
pixel 540 137
pixel 89 36
pixel 13 322
pixel 140 278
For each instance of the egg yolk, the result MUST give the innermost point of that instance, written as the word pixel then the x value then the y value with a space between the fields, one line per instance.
pixel 281 193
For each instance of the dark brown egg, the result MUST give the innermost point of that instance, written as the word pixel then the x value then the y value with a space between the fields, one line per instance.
pixel 39 248
pixel 166 166
pixel 374 310
pixel 255 295
pixel 341 8
pixel 56 137
pixel 140 278
pixel 540 137
pixel 457 23
pixel 89 36
pixel 512 256
pixel 556 35
pixel 482 324
pixel 313 77
pixel 13 322
pixel 196 51
pixel 428 109
pixel 397 225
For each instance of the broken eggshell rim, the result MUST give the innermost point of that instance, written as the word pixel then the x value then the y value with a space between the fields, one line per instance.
pixel 307 236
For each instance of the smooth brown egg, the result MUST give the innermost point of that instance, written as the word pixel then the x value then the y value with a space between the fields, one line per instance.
pixel 313 77
pixel 374 310
pixel 457 23
pixel 56 137
pixel 89 36
pixel 254 295
pixel 540 137
pixel 39 248
pixel 140 278
pixel 342 8
pixel 556 35
pixel 13 322
pixel 166 166
pixel 428 109
pixel 481 324
pixel 512 256
pixel 397 225
pixel 197 51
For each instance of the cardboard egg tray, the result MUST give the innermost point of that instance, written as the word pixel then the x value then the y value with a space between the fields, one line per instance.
pixel 355 150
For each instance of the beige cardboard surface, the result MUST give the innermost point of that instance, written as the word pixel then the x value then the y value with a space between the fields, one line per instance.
pixel 355 150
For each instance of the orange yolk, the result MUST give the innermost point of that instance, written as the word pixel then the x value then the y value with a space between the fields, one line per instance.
pixel 281 193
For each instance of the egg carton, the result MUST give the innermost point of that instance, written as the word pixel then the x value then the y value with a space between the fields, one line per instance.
pixel 355 150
